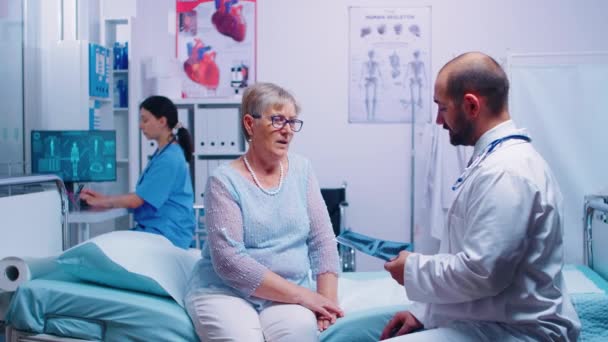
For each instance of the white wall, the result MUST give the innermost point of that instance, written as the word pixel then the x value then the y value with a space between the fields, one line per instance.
pixel 114 9
pixel 311 59
pixel 303 45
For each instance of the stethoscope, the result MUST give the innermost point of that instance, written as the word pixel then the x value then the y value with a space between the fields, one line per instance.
pixel 487 151
pixel 156 153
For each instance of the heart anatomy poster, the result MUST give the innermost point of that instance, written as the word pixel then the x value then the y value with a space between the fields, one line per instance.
pixel 389 64
pixel 216 46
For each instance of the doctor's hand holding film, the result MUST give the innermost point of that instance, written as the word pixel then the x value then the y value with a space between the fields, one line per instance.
pixel 396 266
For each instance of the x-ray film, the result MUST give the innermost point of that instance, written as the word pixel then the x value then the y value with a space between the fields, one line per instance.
pixel 383 249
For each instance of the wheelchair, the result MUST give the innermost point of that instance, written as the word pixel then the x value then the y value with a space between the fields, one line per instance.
pixel 335 200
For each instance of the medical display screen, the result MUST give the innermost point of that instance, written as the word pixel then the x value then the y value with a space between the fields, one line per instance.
pixel 75 156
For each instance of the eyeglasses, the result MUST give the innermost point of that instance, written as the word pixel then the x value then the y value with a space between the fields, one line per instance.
pixel 279 121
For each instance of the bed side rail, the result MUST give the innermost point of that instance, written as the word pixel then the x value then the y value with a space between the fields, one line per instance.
pixel 595 206
pixel 34 183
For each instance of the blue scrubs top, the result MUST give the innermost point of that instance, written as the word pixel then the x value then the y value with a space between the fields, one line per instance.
pixel 166 188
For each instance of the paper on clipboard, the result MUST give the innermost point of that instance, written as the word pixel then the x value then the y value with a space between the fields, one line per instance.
pixel 383 249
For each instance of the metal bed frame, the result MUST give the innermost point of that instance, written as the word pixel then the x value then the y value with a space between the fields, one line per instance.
pixel 31 184
pixel 19 185
pixel 595 210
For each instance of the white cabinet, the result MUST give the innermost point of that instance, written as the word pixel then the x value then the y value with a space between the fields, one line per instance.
pixel 119 84
pixel 124 94
pixel 201 173
pixel 80 72
pixel 203 168
pixel 217 130
pixel 218 139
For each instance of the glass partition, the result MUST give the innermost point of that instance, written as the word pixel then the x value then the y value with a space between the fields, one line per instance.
pixel 11 88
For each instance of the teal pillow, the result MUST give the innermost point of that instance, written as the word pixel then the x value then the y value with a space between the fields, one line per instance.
pixel 130 260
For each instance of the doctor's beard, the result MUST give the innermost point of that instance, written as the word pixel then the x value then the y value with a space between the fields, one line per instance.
pixel 462 132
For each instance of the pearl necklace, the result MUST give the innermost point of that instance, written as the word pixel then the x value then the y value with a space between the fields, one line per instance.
pixel 257 182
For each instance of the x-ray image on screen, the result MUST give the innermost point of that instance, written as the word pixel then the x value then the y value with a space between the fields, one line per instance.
pixel 75 156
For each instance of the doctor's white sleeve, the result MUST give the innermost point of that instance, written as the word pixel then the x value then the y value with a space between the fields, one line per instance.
pixel 500 209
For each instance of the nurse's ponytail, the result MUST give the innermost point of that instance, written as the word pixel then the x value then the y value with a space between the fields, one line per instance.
pixel 160 106
pixel 184 140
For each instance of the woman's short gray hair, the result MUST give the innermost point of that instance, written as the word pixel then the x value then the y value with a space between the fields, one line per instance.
pixel 260 97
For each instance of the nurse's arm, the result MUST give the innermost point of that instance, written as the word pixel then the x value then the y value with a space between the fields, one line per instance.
pixel 129 201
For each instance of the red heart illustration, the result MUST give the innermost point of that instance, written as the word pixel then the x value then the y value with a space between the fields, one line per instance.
pixel 200 65
pixel 228 19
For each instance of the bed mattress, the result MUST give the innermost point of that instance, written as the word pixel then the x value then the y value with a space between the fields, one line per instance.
pixel 68 308
pixel 65 307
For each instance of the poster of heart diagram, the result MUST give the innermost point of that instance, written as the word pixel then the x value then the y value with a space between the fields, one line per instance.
pixel 215 46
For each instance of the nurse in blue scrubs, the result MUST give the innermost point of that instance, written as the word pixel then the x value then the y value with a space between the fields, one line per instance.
pixel 163 198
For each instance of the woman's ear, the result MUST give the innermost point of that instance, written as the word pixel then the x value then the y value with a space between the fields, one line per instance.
pixel 248 120
pixel 163 121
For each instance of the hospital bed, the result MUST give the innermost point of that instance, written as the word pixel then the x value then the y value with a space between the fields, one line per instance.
pixel 58 307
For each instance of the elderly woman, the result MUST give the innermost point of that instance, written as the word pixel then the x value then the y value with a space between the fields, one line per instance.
pixel 268 228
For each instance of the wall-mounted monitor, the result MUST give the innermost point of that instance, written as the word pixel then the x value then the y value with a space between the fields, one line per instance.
pixel 75 156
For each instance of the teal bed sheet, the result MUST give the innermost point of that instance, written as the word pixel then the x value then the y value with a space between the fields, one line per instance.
pixel 592 308
pixel 75 309
pixel 65 307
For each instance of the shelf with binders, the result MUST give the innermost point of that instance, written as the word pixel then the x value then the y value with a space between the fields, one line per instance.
pixel 218 139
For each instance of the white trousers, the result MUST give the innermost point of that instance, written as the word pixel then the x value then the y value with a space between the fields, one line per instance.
pixel 225 318
pixel 466 332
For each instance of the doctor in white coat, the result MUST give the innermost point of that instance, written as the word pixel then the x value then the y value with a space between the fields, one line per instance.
pixel 498 273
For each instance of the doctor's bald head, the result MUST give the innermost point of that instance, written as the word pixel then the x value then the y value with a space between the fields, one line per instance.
pixel 479 74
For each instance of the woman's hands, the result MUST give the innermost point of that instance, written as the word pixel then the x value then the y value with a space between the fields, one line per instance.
pixel 326 310
pixel 324 323
pixel 327 286
pixel 323 303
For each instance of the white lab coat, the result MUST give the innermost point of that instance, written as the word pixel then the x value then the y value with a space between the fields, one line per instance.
pixel 444 165
pixel 501 254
